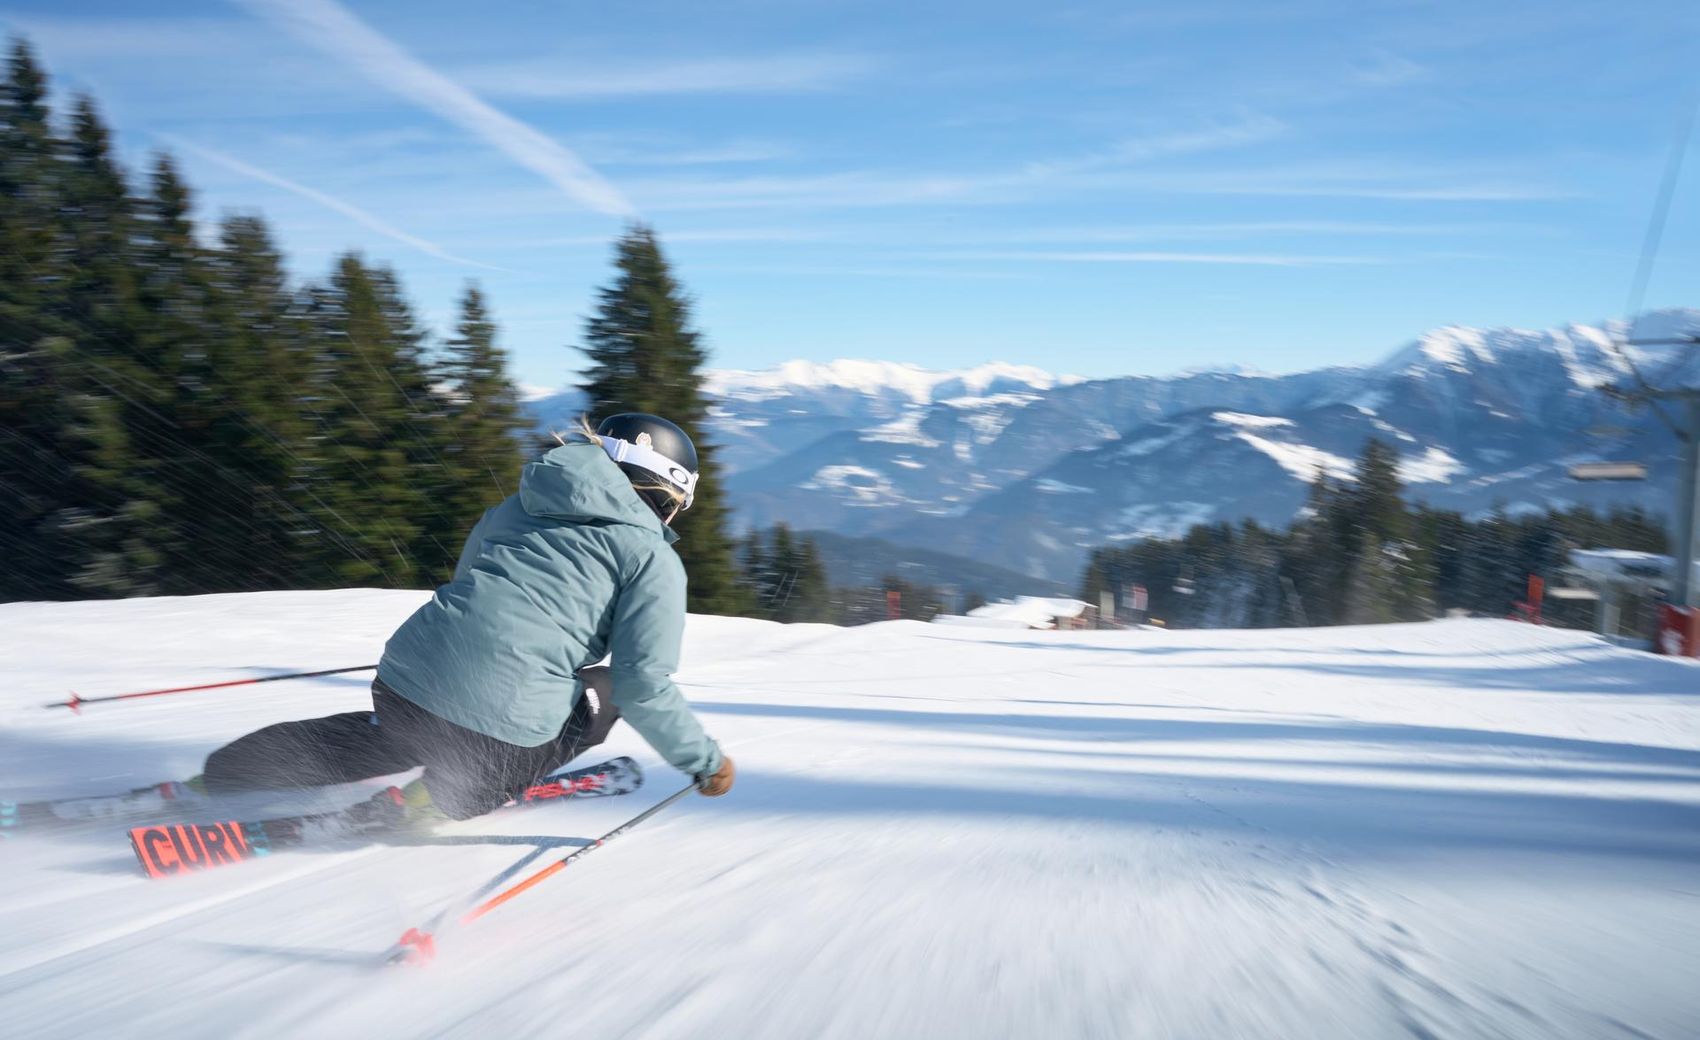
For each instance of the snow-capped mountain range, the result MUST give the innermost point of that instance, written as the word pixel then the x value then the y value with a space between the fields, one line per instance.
pixel 1014 466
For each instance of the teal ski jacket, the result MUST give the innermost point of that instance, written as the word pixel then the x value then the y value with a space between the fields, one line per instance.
pixel 573 568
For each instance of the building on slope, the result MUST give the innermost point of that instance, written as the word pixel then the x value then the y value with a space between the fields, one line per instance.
pixel 1630 588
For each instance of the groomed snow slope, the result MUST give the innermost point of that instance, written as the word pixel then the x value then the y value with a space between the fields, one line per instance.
pixel 1458 829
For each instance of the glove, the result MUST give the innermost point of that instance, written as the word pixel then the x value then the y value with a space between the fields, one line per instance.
pixel 719 782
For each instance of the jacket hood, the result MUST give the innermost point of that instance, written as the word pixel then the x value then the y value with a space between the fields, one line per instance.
pixel 578 481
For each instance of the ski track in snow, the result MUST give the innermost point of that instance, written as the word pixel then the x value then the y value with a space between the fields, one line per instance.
pixel 1456 829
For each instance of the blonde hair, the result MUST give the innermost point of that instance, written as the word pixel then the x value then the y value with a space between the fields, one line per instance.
pixel 674 496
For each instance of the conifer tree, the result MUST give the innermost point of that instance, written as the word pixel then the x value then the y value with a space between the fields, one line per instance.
pixel 646 357
pixel 1319 551
pixel 786 579
pixel 1541 549
pixel 1377 493
pixel 1444 535
pixel 28 150
pixel 759 568
pixel 1633 528
pixel 1372 585
pixel 756 571
pixel 34 353
pixel 190 511
pixel 1388 579
pixel 94 225
pixel 256 436
pixel 811 592
pixel 1487 574
pixel 483 421
pixel 120 399
pixel 422 426
pixel 783 564
pixel 369 497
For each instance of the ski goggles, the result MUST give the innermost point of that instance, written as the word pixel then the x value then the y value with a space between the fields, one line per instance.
pixel 651 461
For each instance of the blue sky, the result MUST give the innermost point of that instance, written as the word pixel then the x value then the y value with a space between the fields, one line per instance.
pixel 1091 188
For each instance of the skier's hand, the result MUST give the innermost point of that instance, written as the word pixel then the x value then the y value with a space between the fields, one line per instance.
pixel 720 781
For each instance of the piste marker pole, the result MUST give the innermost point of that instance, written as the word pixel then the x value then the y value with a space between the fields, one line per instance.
pixel 76 703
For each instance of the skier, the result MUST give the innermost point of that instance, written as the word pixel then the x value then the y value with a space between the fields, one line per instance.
pixel 493 683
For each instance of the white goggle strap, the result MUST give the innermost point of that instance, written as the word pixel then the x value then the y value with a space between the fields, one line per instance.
pixel 646 458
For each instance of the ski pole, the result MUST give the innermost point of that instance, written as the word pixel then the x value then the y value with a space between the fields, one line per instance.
pixel 76 703
pixel 418 945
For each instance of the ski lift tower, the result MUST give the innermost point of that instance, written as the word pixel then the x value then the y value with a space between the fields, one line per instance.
pixel 1679 623
pixel 1679 632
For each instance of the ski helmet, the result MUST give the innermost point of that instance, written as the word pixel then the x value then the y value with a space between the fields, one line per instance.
pixel 652 450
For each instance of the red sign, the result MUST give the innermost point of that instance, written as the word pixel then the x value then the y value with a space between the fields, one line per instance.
pixel 1679 631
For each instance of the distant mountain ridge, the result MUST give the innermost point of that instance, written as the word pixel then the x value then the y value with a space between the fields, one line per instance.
pixel 867 561
pixel 882 378
pixel 1025 470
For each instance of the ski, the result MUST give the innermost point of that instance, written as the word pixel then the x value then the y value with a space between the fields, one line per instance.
pixel 164 849
pixel 17 816
pixel 167 797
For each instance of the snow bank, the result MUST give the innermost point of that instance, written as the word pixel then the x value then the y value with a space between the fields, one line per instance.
pixel 1021 612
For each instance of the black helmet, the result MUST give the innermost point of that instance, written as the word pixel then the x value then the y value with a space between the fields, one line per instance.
pixel 651 449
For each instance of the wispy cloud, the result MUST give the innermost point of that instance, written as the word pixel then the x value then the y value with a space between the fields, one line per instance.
pixel 863 188
pixel 1464 191
pixel 648 148
pixel 995 234
pixel 895 272
pixel 848 189
pixel 1386 69
pixel 564 78
pixel 1185 16
pixel 331 202
pixel 1119 256
pixel 1390 180
pixel 1256 229
pixel 1248 130
pixel 705 236
pixel 88 38
pixel 331 28
pixel 736 152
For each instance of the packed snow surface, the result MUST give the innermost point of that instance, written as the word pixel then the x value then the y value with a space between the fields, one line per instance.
pixel 1456 829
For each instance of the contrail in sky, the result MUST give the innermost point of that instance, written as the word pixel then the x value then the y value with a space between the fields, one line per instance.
pixel 347 209
pixel 331 28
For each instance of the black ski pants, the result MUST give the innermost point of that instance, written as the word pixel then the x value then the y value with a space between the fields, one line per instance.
pixel 467 773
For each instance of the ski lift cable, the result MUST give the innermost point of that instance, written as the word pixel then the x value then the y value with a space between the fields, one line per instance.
pixel 1650 243
pixel 1661 210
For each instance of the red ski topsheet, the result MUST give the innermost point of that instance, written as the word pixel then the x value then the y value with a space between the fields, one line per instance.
pixel 164 849
pixel 178 848
pixel 565 787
